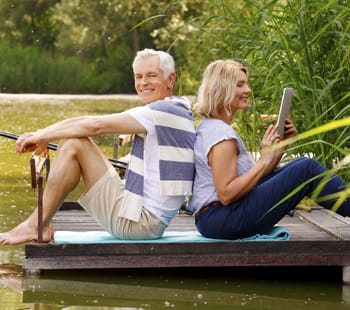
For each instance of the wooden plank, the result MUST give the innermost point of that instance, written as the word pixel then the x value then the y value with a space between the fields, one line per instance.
pixel 312 244
pixel 333 223
pixel 181 260
pixel 245 248
pixel 300 229
pixel 265 253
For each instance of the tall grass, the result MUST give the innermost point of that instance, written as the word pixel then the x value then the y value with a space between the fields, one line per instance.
pixel 299 44
pixel 295 43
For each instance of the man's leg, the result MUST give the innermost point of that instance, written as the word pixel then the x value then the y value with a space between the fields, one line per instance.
pixel 75 158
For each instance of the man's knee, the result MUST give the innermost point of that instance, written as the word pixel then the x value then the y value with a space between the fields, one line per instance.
pixel 74 145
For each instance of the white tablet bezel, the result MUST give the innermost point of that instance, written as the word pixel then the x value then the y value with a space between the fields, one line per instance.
pixel 285 109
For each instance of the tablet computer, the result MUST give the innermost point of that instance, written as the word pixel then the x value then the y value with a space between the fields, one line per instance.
pixel 285 108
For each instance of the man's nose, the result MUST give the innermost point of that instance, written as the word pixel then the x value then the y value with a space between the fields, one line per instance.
pixel 144 80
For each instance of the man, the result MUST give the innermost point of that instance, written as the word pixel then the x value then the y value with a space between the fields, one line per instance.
pixel 160 171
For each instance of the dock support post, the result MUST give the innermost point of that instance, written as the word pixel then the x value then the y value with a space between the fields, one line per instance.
pixel 346 275
pixel 35 273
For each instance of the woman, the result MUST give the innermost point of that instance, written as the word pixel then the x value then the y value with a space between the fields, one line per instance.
pixel 234 197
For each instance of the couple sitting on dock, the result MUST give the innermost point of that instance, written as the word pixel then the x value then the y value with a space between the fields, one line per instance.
pixel 232 197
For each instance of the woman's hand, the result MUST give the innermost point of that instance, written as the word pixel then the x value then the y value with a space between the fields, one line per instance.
pixel 270 138
pixel 289 129
pixel 270 152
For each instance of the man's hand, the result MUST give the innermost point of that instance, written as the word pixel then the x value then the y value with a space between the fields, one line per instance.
pixel 29 143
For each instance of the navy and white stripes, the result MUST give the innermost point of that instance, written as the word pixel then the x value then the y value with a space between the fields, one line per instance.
pixel 176 136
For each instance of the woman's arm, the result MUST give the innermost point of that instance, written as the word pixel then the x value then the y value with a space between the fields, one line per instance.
pixel 223 160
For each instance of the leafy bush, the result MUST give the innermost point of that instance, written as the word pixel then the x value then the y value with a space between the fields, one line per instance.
pixel 27 69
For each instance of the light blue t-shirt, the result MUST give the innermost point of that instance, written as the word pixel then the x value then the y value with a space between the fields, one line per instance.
pixel 210 132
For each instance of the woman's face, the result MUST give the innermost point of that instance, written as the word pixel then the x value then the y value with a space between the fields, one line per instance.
pixel 240 101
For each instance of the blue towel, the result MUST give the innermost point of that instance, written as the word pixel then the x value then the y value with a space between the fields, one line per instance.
pixel 278 233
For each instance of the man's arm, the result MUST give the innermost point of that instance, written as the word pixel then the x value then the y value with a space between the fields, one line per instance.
pixel 78 127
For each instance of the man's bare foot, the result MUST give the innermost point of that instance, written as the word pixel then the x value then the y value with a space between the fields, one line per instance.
pixel 25 232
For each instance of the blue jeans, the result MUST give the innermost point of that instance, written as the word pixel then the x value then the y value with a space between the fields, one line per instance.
pixel 256 212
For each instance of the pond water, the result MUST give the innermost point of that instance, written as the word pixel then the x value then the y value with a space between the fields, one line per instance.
pixel 179 289
pixel 219 288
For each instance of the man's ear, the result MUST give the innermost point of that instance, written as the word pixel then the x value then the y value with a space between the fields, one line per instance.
pixel 171 80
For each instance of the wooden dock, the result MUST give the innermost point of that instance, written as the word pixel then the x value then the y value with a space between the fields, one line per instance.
pixel 318 238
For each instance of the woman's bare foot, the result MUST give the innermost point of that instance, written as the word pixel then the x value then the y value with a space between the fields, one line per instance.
pixel 25 232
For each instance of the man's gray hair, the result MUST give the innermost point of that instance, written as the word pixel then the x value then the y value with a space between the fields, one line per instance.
pixel 166 61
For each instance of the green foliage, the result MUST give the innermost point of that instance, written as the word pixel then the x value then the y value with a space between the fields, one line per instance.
pixel 103 34
pixel 25 69
pixel 299 44
pixel 28 70
pixel 88 46
pixel 28 22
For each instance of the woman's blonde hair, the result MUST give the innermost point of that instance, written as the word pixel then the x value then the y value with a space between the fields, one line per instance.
pixel 218 87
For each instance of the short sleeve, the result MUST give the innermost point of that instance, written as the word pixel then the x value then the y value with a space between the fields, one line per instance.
pixel 144 116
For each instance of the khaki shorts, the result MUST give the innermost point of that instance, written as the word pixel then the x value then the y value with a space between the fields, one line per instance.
pixel 103 202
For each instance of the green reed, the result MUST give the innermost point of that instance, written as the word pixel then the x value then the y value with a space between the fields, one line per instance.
pixel 298 44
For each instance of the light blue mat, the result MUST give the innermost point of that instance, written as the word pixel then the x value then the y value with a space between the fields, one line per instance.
pixel 278 233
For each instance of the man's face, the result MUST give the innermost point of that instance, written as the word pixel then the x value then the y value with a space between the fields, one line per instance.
pixel 150 83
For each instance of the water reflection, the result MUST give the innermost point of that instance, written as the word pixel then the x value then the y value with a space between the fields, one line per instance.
pixel 227 288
